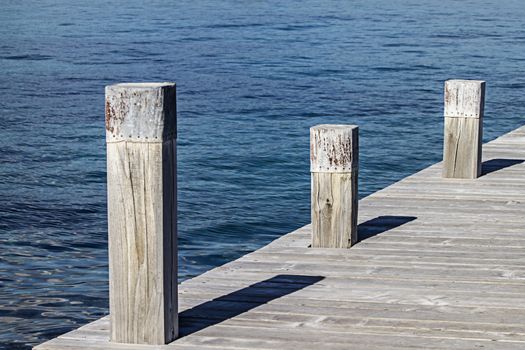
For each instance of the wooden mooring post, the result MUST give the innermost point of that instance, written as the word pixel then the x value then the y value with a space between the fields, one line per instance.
pixel 464 105
pixel 141 129
pixel 334 162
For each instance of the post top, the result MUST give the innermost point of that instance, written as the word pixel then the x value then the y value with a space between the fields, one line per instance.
pixel 464 98
pixel 151 85
pixel 334 148
pixel 141 112
pixel 465 81
pixel 334 127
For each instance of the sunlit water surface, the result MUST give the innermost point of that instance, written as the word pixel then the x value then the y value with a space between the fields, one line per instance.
pixel 252 78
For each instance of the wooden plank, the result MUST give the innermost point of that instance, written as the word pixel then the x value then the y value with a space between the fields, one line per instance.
pixel 440 266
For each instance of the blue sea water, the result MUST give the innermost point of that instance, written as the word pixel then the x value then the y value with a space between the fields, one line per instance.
pixel 252 77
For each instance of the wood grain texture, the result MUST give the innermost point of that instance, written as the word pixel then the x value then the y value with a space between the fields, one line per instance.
pixel 464 106
pixel 142 213
pixel 334 162
pixel 334 210
pixel 462 148
pixel 452 278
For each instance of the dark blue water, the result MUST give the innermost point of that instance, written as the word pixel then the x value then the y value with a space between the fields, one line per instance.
pixel 252 78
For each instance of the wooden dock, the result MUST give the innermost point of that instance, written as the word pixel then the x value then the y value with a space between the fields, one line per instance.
pixel 440 265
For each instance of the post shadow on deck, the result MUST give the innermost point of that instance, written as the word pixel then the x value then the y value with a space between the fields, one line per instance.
pixel 228 306
pixel 496 164
pixel 381 224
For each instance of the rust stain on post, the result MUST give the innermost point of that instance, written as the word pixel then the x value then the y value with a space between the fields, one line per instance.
pixel 447 94
pixel 332 149
pixel 141 112
pixel 109 115
pixel 115 117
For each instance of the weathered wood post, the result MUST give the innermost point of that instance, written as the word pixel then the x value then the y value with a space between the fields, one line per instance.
pixel 334 162
pixel 464 104
pixel 141 129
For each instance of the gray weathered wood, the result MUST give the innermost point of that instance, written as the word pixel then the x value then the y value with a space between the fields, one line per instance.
pixel 452 278
pixel 464 105
pixel 141 157
pixel 334 161
pixel 141 112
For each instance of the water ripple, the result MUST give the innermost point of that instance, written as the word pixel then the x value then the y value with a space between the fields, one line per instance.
pixel 251 80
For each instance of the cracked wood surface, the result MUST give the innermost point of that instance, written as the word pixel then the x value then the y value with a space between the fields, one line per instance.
pixel 462 148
